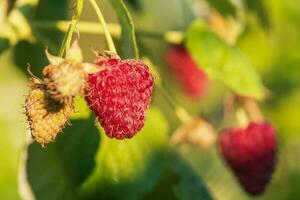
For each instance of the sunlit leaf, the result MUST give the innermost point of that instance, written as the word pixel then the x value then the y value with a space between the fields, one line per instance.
pixel 55 172
pixel 223 62
pixel 128 168
pixel 179 181
pixel 12 128
pixel 190 185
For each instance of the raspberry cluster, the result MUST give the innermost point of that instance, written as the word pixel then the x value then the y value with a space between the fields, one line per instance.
pixel 49 104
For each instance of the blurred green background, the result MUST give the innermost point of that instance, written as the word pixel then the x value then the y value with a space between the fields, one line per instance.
pixel 267 33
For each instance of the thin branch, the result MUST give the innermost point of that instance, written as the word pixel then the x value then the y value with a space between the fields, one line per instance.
pixel 172 37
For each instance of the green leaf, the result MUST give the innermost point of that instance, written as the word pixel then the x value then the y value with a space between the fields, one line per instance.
pixel 58 170
pixel 224 7
pixel 128 168
pixel 37 60
pixel 51 10
pixel 128 41
pixel 179 181
pixel 136 4
pixel 12 128
pixel 4 44
pixel 258 7
pixel 223 62
pixel 190 185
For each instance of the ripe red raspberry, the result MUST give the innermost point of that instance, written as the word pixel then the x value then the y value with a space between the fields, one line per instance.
pixel 192 79
pixel 119 95
pixel 251 154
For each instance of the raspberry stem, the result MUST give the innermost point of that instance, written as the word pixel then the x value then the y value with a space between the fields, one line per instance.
pixel 107 34
pixel 253 109
pixel 180 112
pixel 242 117
pixel 65 46
pixel 183 115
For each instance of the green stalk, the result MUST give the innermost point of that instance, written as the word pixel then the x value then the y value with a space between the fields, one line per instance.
pixel 242 117
pixel 66 43
pixel 108 37
pixel 180 112
pixel 67 37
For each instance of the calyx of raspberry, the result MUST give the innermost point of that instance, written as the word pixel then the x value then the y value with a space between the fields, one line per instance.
pixel 119 94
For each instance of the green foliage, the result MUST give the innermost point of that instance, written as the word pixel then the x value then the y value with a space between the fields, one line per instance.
pixel 190 186
pixel 128 41
pixel 57 171
pixel 223 62
pixel 45 11
pixel 179 181
pixel 134 3
pixel 4 44
pixel 225 7
pixel 284 108
pixel 126 169
pixel 258 7
pixel 36 61
pixel 80 166
pixel 12 130
pixel 262 59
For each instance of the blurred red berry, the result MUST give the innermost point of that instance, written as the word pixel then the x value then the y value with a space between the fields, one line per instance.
pixel 251 154
pixel 193 80
pixel 119 95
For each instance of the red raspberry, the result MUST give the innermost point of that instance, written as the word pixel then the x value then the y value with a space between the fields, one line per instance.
pixel 193 80
pixel 119 95
pixel 251 154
